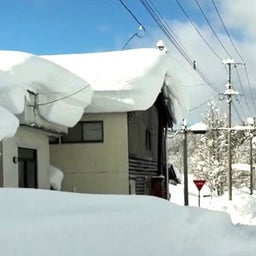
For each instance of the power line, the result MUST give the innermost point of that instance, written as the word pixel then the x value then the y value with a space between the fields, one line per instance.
pixel 242 88
pixel 237 113
pixel 64 97
pixel 152 10
pixel 141 27
pixel 249 84
pixel 245 116
pixel 166 30
pixel 198 106
pixel 165 23
pixel 235 48
pixel 197 30
pixel 225 28
pixel 212 29
pixel 249 97
pixel 131 13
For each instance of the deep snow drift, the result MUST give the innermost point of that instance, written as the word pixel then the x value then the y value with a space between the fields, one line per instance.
pixel 37 222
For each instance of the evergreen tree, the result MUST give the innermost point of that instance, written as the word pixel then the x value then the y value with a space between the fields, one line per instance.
pixel 210 157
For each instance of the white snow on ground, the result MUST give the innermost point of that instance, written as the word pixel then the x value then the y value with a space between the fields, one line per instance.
pixel 242 207
pixel 40 222
pixel 241 167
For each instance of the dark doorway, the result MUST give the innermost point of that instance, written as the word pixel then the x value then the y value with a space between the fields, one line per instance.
pixel 27 167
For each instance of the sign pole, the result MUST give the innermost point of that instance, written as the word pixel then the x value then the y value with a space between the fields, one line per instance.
pixel 199 184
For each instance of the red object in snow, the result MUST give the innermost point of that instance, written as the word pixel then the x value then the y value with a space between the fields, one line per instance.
pixel 199 184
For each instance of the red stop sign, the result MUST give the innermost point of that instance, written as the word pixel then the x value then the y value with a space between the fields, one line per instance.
pixel 199 184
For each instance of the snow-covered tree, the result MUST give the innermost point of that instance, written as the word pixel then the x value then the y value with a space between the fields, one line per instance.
pixel 209 160
pixel 208 153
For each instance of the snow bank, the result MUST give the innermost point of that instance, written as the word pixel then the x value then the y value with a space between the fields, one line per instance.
pixel 37 222
pixel 56 177
pixel 242 207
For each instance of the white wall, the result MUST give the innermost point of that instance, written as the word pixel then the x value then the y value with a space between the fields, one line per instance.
pixel 27 138
pixel 96 167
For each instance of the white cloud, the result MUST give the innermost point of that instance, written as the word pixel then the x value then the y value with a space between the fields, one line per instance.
pixel 238 16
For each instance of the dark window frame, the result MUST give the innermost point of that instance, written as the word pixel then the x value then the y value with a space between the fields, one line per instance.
pixel 82 137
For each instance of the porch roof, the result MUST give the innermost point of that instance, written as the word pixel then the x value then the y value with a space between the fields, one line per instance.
pixel 125 81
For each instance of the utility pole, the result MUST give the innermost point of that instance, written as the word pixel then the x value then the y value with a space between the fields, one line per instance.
pixel 166 165
pixel 229 93
pixel 185 161
pixel 251 167
pixel 252 174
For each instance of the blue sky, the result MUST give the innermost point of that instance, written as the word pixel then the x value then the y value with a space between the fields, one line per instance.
pixel 68 26
pixel 64 26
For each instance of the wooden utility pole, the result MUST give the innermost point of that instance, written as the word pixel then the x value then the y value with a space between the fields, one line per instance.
pixel 229 93
pixel 185 161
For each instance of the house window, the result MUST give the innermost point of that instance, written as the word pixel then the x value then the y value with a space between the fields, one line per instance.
pixel 74 134
pixel 84 132
pixel 148 139
pixel 93 131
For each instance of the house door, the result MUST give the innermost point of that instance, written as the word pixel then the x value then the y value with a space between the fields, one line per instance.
pixel 27 159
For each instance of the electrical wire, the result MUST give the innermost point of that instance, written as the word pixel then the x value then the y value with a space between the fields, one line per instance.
pixel 198 31
pixel 198 106
pixel 242 88
pixel 242 109
pixel 211 27
pixel 165 23
pixel 141 27
pixel 131 13
pixel 235 48
pixel 237 113
pixel 64 97
pixel 249 97
pixel 166 30
pixel 128 41
pixel 249 84
pixel 226 30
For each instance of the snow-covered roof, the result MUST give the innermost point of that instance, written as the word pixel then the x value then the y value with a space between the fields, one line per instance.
pixel 21 71
pixel 124 81
pixel 119 81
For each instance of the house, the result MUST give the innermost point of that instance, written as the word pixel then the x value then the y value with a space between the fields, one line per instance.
pixel 119 145
pixel 101 118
